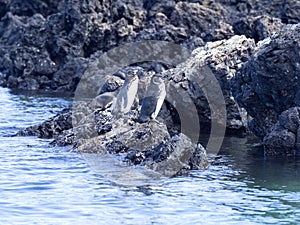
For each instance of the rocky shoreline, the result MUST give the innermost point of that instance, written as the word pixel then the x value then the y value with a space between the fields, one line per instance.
pixel 250 48
pixel 267 86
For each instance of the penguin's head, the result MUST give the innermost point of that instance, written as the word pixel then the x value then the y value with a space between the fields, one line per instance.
pixel 132 73
pixel 157 79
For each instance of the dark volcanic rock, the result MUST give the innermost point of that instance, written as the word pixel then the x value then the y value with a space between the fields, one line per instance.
pixel 31 7
pixel 257 28
pixel 201 19
pixel 175 155
pixel 11 30
pixel 149 145
pixel 2 8
pixel 268 83
pixel 156 145
pixel 285 10
pixel 91 128
pixel 79 29
pixel 68 76
pixel 26 64
pixel 221 58
pixel 284 137
pixel 51 128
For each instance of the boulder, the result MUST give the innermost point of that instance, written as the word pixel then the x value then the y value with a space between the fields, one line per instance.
pixel 148 145
pixel 284 137
pixel 268 83
pixel 209 69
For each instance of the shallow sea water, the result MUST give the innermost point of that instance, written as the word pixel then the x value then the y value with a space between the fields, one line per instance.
pixel 40 184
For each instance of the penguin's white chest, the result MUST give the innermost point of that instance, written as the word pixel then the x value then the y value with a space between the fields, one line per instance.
pixel 129 95
pixel 126 97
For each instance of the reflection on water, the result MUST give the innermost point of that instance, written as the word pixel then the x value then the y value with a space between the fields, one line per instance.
pixel 276 174
pixel 44 185
pixel 120 174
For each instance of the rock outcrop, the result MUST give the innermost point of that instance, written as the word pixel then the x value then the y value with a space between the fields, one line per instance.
pixel 45 45
pixel 268 84
pixel 197 90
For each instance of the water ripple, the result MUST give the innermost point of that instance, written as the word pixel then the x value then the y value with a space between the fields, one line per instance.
pixel 44 185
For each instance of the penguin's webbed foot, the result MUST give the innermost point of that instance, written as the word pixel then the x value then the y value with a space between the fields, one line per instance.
pixel 153 121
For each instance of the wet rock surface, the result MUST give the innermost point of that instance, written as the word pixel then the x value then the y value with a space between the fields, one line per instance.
pixel 268 84
pixel 136 144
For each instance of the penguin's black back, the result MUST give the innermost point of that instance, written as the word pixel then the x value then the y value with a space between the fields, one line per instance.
pixel 148 107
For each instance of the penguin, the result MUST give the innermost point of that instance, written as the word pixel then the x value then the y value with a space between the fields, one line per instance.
pixel 127 93
pixel 153 100
pixel 104 100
